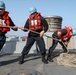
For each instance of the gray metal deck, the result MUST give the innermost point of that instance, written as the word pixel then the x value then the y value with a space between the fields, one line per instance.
pixel 9 64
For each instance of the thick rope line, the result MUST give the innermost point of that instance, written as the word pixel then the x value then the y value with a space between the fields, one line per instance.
pixel 36 33
pixel 31 31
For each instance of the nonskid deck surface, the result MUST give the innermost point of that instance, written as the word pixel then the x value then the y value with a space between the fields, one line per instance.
pixel 9 66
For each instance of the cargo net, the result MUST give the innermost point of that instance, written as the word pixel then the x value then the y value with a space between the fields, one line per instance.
pixel 67 59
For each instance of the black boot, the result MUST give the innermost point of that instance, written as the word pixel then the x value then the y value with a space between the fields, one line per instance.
pixel 49 58
pixel 44 60
pixel 65 49
pixel 21 59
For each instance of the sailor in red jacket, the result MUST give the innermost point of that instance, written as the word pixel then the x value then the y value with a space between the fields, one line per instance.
pixel 37 23
pixel 5 20
pixel 62 34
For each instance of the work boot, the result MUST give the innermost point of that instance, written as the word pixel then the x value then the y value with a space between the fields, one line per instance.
pixel 21 59
pixel 49 58
pixel 44 60
pixel 65 51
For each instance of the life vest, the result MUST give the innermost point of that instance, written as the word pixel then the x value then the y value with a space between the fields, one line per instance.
pixel 67 35
pixel 35 22
pixel 4 21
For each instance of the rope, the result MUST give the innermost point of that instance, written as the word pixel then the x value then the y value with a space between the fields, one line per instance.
pixel 31 31
pixel 36 33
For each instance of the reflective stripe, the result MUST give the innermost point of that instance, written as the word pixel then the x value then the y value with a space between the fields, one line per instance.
pixel 35 22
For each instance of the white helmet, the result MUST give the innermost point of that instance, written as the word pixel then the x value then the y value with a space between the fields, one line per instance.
pixel 32 10
pixel 2 5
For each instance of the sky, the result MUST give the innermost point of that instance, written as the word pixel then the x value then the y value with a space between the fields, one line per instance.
pixel 19 11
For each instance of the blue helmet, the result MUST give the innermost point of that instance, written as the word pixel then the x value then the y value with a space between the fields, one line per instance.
pixel 32 10
pixel 73 32
pixel 2 5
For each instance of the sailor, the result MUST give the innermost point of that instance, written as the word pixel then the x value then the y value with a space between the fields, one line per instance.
pixel 37 23
pixel 5 20
pixel 63 37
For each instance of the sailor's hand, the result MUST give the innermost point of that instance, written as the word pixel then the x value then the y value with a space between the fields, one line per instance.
pixel 23 28
pixel 41 33
pixel 15 27
pixel 66 43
